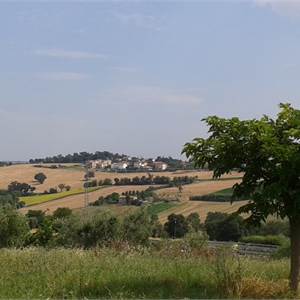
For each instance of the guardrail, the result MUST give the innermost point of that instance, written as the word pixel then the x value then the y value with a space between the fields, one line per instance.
pixel 246 248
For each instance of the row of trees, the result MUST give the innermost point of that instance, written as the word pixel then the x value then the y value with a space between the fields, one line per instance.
pixel 144 180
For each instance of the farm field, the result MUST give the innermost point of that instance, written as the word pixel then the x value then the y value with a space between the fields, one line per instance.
pixel 77 201
pixel 74 199
pixel 201 207
pixel 74 176
pixel 38 199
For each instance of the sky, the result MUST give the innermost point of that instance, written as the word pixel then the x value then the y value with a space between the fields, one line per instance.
pixel 137 77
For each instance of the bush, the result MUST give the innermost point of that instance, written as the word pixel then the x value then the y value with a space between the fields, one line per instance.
pixel 224 227
pixel 268 239
pixel 35 218
pixel 274 227
pixel 100 230
pixel 10 199
pixel 176 226
pixel 13 228
pixel 62 212
pixel 137 228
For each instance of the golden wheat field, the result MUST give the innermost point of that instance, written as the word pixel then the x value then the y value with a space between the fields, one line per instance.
pixel 74 178
pixel 186 206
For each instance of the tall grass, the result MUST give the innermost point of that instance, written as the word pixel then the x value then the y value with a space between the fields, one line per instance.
pixel 129 273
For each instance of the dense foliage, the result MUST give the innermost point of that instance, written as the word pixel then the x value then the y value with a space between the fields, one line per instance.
pixel 267 152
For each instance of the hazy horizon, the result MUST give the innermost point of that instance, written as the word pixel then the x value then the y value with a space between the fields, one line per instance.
pixel 138 77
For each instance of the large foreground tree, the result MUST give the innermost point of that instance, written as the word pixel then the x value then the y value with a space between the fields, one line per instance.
pixel 267 153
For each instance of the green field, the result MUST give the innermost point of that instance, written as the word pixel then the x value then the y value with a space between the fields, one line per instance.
pixel 37 199
pixel 225 192
pixel 65 274
pixel 156 208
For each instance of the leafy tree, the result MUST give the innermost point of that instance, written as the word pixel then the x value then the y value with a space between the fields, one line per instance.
pixel 102 229
pixel 194 222
pixel 89 174
pixel 137 228
pixel 40 177
pixel 267 153
pixel 62 212
pixel 224 227
pixel 67 187
pixel 52 191
pixel 107 181
pixel 13 228
pixel 61 186
pixel 176 226
pixel 21 189
pixel 10 199
pixel 35 218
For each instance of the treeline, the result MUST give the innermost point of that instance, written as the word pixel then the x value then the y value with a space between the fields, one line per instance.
pixel 5 163
pixel 144 180
pixel 175 164
pixel 80 157
pixel 135 198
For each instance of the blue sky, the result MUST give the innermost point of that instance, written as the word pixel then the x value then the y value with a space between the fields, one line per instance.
pixel 137 77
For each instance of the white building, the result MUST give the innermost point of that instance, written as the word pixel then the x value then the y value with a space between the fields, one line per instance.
pixel 119 165
pixel 99 164
pixel 160 166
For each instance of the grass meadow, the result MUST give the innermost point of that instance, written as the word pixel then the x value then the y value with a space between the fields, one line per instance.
pixel 131 273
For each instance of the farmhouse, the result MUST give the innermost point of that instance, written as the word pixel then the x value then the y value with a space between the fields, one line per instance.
pixel 160 166
pixel 119 165
pixel 99 164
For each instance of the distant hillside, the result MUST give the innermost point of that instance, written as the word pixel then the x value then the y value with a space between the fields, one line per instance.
pixel 83 157
pixel 80 157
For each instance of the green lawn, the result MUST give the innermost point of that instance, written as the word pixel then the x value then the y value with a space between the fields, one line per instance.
pixel 37 199
pixel 159 207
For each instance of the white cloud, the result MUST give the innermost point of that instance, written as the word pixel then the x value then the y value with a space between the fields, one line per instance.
pixel 139 20
pixel 61 76
pixel 61 53
pixel 290 8
pixel 152 94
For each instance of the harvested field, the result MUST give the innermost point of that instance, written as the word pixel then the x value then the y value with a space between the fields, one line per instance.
pixel 77 201
pixel 186 206
pixel 74 176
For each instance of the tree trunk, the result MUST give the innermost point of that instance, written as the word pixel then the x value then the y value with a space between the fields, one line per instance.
pixel 295 254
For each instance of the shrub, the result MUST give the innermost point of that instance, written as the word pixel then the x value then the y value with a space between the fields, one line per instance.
pixel 62 212
pixel 274 227
pixel 35 218
pixel 52 191
pixel 100 230
pixel 13 228
pixel 176 226
pixel 137 228
pixel 10 199
pixel 224 227
pixel 268 239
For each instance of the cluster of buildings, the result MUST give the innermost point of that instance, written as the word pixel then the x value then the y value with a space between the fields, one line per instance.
pixel 129 164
